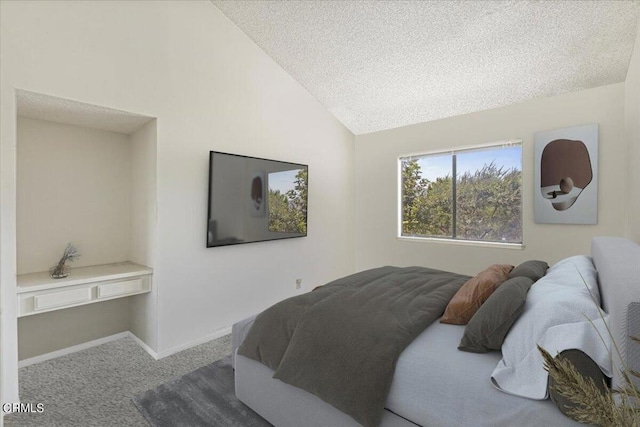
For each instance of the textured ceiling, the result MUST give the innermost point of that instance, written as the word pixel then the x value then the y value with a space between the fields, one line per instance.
pixel 383 64
pixel 65 111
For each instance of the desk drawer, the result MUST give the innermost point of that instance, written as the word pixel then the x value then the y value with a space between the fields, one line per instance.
pixel 61 299
pixel 110 290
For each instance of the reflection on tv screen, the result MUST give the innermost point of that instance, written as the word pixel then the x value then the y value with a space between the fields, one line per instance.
pixel 288 201
pixel 253 200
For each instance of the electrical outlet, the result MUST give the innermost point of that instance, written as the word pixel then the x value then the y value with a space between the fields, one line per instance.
pixel 298 283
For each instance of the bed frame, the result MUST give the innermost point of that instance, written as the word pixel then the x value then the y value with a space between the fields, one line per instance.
pixel 617 261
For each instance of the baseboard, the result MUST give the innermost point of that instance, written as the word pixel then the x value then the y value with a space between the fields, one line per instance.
pixel 156 355
pixel 72 349
pixel 217 334
pixel 144 345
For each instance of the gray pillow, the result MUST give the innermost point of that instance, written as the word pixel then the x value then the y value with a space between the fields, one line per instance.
pixel 532 269
pixel 585 367
pixel 489 326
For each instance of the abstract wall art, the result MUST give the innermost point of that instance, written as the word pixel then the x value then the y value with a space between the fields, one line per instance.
pixel 566 175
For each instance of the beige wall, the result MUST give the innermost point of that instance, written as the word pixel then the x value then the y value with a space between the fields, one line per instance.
pixel 210 88
pixel 55 330
pixel 143 308
pixel 143 194
pixel 377 181
pixel 74 185
pixel 632 122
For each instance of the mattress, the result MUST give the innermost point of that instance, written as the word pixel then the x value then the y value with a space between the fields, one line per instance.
pixel 435 384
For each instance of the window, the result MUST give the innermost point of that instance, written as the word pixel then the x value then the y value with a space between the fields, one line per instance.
pixel 483 202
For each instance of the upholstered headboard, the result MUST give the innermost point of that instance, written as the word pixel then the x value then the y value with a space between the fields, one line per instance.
pixel 618 263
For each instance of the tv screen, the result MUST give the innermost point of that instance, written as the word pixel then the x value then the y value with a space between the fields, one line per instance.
pixel 253 199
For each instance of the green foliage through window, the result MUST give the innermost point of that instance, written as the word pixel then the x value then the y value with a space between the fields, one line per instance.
pixel 483 203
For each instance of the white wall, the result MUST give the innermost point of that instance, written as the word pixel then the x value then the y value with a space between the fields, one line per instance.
pixel 632 122
pixel 210 88
pixel 73 186
pixel 377 181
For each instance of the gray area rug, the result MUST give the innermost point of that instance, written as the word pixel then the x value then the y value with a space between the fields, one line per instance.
pixel 204 397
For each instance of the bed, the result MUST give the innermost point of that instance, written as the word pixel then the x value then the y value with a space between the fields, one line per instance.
pixel 435 384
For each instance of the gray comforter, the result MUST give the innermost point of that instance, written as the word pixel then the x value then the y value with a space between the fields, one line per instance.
pixel 342 340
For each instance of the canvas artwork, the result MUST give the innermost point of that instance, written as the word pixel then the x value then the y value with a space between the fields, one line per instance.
pixel 566 175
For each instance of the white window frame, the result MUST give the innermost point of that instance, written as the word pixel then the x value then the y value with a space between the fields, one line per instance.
pixel 452 240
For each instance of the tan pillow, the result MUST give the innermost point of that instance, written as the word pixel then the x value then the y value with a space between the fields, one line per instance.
pixel 473 293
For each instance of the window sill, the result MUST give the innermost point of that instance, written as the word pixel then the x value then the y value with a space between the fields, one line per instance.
pixel 460 242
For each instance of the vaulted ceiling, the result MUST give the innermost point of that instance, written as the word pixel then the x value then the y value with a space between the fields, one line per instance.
pixel 378 65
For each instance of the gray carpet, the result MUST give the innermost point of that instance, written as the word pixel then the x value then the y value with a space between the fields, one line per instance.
pixel 94 387
pixel 202 398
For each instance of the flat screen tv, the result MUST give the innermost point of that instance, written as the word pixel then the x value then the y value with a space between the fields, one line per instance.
pixel 253 199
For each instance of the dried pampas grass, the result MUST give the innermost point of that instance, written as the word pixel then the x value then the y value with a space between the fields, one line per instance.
pixel 593 406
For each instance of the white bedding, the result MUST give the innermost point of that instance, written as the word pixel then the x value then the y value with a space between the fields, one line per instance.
pixel 556 316
pixel 469 397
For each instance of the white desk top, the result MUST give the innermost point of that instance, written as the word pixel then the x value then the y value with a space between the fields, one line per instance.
pixel 77 276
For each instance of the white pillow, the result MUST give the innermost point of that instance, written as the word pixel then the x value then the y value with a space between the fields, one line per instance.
pixel 555 316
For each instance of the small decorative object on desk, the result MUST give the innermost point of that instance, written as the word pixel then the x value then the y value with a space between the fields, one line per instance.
pixel 61 269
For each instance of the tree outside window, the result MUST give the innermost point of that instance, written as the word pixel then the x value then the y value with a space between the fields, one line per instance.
pixel 482 203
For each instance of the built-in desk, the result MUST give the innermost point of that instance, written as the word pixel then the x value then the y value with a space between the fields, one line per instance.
pixel 39 293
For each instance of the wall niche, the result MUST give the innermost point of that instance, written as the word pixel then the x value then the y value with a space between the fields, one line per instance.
pixel 86 174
